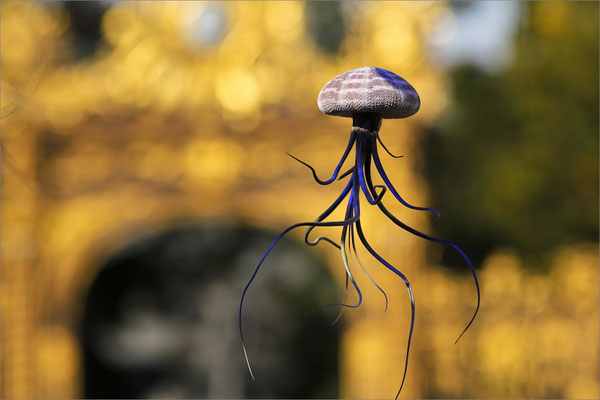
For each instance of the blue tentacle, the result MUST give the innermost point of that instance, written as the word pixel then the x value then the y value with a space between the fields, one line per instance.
pixel 353 244
pixel 327 212
pixel 345 174
pixel 385 178
pixel 288 229
pixel 337 169
pixel 410 293
pixel 441 241
pixel 385 148
pixel 348 217
pixel 362 153
pixel 430 238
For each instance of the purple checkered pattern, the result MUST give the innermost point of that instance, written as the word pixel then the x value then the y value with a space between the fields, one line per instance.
pixel 369 90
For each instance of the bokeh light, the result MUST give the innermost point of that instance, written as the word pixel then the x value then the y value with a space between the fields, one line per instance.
pixel 147 140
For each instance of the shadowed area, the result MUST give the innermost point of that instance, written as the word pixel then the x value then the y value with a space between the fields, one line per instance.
pixel 160 320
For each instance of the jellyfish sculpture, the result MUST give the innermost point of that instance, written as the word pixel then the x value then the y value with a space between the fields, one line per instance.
pixel 367 95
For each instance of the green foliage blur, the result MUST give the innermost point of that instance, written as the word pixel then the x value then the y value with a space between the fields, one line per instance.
pixel 515 161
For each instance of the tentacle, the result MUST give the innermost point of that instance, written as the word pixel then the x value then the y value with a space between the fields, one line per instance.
pixel 385 148
pixel 345 174
pixel 325 239
pixel 362 238
pixel 343 301
pixel 383 175
pixel 339 166
pixel 345 290
pixel 364 269
pixel 327 212
pixel 348 217
pixel 362 153
pixel 318 239
pixel 431 238
pixel 448 243
pixel 288 229
pixel 345 258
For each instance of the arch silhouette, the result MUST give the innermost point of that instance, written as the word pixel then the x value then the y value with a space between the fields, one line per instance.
pixel 160 319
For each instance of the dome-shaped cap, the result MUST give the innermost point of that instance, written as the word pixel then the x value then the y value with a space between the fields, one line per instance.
pixel 369 90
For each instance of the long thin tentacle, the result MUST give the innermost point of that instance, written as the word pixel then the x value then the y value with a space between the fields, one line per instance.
pixel 342 304
pixel 362 152
pixel 288 229
pixel 351 214
pixel 343 301
pixel 337 169
pixel 345 174
pixel 362 238
pixel 448 243
pixel 385 148
pixel 353 244
pixel 327 212
pixel 385 178
pixel 430 238
pixel 348 216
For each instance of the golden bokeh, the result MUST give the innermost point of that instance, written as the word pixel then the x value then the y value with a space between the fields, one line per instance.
pixel 160 124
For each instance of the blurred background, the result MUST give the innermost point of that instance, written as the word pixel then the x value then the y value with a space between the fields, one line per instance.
pixel 144 174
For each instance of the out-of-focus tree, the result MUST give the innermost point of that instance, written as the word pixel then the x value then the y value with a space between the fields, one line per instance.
pixel 522 144
pixel 325 24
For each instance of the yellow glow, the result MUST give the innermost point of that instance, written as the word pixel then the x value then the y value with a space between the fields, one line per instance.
pixel 120 25
pixel 148 130
pixel 394 38
pixel 238 91
pixel 216 163
pixel 582 387
pixel 283 19
pixel 56 355
pixel 578 283
pixel 502 348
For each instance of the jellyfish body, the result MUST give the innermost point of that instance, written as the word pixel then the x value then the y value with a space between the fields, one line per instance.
pixel 368 95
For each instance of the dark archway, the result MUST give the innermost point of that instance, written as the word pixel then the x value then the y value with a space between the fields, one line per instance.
pixel 161 319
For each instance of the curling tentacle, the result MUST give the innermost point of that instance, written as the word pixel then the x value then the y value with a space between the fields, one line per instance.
pixel 337 169
pixel 448 243
pixel 288 229
pixel 362 154
pixel 433 239
pixel 348 216
pixel 343 302
pixel 385 148
pixel 345 174
pixel 385 178
pixel 353 244
pixel 362 238
pixel 342 247
pixel 327 212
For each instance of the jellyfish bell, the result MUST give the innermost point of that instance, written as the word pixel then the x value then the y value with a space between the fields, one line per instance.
pixel 367 95
pixel 369 90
